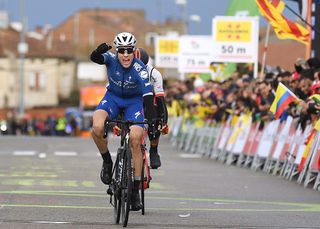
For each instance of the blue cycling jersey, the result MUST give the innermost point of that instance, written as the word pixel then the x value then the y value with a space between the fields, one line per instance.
pixel 127 82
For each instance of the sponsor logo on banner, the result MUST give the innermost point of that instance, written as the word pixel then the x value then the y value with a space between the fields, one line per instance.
pixel 195 54
pixel 235 39
pixel 234 31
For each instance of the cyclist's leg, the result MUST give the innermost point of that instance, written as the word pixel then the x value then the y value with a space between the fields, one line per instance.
pixel 97 131
pixel 155 161
pixel 106 108
pixel 134 112
pixel 136 134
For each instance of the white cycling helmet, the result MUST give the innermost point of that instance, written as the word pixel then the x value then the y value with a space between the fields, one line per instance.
pixel 125 39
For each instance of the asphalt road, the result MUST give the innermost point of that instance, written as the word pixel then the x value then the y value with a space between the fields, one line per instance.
pixel 54 183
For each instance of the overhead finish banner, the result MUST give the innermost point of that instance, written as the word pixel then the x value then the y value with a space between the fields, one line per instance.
pixel 235 39
pixel 195 54
pixel 166 51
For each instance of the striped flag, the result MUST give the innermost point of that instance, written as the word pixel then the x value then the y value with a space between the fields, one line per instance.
pixel 284 28
pixel 306 151
pixel 317 125
pixel 282 99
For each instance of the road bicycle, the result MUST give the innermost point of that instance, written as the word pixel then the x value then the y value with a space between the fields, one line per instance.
pixel 120 188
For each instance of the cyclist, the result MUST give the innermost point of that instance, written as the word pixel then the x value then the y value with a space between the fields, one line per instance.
pixel 128 89
pixel 160 105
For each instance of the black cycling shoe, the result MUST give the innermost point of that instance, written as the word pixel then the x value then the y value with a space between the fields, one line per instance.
pixel 155 161
pixel 106 172
pixel 135 201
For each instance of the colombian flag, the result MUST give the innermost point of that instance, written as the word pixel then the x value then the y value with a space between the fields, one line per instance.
pixel 283 98
pixel 283 27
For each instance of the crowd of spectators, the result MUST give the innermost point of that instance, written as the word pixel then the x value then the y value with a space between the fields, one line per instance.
pixel 52 126
pixel 213 101
pixel 201 101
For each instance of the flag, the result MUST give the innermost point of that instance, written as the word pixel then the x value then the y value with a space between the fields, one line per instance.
pixel 317 125
pixel 284 28
pixel 306 151
pixel 282 99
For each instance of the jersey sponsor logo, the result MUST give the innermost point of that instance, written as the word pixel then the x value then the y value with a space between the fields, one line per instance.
pixel 129 84
pixel 103 102
pixel 118 83
pixel 137 114
pixel 137 67
pixel 143 74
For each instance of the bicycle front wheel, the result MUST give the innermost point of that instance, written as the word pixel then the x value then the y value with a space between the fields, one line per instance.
pixel 117 191
pixel 116 207
pixel 127 186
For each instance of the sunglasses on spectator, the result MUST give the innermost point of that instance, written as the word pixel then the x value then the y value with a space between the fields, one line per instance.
pixel 122 50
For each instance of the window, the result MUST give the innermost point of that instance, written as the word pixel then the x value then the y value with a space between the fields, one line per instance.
pixel 37 81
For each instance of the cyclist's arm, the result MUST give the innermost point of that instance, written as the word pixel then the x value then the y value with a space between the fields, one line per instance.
pixel 147 91
pixel 162 109
pixel 159 94
pixel 150 113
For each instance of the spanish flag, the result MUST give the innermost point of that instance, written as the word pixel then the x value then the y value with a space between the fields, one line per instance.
pixel 284 28
pixel 282 99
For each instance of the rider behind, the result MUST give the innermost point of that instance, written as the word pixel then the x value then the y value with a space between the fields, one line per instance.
pixel 159 103
pixel 128 89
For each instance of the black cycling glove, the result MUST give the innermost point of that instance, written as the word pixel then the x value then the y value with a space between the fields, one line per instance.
pixel 103 48
pixel 96 55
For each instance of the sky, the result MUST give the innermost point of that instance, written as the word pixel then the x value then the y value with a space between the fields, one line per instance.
pixel 54 12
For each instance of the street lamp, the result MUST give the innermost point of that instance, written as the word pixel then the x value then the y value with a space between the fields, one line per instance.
pixel 185 18
pixel 22 50
pixel 183 4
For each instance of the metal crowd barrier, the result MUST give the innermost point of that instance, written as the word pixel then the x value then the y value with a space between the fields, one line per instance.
pixel 281 149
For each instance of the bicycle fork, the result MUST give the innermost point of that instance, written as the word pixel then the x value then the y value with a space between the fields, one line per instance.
pixel 116 181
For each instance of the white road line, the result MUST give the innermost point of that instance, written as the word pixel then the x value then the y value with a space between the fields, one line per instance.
pixel 189 155
pixel 50 222
pixel 24 153
pixel 65 153
pixel 42 155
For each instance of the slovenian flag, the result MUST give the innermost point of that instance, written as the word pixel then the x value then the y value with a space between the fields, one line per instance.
pixel 283 98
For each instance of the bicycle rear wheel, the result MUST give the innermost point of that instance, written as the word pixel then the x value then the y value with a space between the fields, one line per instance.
pixel 127 186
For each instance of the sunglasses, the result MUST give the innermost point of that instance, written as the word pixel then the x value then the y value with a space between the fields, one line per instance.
pixel 129 50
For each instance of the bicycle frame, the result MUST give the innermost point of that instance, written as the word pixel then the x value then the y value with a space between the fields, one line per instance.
pixel 122 173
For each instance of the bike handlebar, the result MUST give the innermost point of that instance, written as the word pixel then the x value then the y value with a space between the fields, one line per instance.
pixel 129 123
